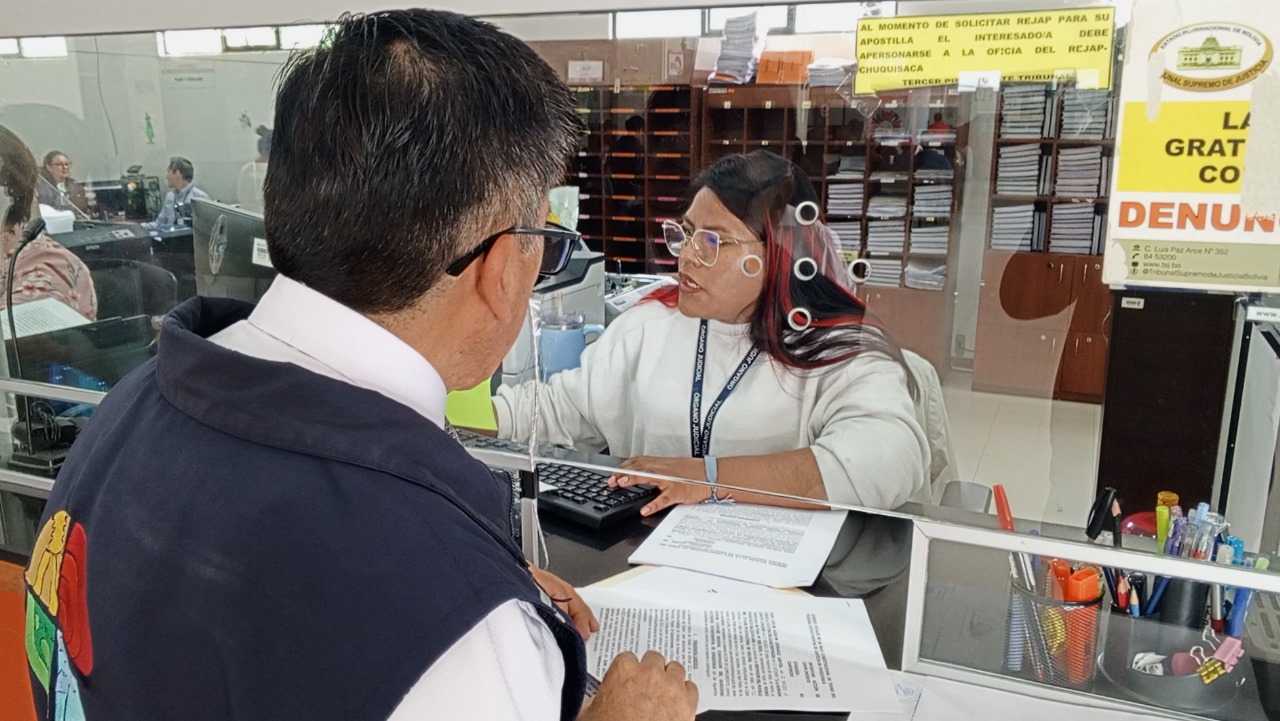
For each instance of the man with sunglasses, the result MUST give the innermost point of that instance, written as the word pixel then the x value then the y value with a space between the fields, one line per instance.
pixel 271 519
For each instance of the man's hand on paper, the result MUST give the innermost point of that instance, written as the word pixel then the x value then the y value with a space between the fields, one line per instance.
pixel 673 493
pixel 567 598
pixel 643 690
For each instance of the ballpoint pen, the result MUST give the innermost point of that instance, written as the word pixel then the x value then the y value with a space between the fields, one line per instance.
pixel 1153 604
pixel 1226 557
pixel 1244 598
pixel 1175 536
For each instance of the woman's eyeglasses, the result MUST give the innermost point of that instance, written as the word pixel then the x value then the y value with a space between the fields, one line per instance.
pixel 558 244
pixel 705 243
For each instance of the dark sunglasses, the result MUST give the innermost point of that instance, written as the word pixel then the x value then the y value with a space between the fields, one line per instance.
pixel 559 243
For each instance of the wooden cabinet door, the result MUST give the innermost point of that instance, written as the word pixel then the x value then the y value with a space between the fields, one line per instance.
pixel 1017 359
pixel 1092 296
pixel 1027 288
pixel 1084 367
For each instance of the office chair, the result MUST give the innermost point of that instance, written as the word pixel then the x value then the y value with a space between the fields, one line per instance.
pixel 127 288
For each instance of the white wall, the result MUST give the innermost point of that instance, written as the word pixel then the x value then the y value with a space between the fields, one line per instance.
pixel 40 100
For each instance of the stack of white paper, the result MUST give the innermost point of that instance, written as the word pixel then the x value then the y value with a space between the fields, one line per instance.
pixel 1025 110
pixel 1074 229
pixel 852 165
pixel 1013 227
pixel 887 206
pixel 885 272
pixel 891 136
pixel 886 237
pixel 750 651
pixel 831 72
pixel 932 200
pixel 1086 114
pixel 848 234
pixel 739 52
pixel 1079 172
pixel 930 239
pixel 926 273
pixel 1019 170
pixel 844 198
pixel 42 316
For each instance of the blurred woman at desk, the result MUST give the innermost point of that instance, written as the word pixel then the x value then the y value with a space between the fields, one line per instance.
pixel 760 370
pixel 57 189
pixel 45 269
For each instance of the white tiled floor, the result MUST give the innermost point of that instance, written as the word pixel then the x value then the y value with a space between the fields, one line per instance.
pixel 1044 452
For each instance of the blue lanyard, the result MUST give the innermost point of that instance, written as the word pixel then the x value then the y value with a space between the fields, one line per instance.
pixel 699 430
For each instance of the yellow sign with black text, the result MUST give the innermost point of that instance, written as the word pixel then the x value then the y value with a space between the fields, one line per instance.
pixel 908 52
pixel 1190 147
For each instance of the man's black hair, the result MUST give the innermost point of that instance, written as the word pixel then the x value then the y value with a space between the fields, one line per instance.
pixel 400 143
pixel 183 167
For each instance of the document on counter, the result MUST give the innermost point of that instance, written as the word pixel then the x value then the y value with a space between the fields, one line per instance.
pixel 42 316
pixel 757 652
pixel 778 547
pixel 665 578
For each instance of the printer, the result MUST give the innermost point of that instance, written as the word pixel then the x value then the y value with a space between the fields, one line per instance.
pixel 578 288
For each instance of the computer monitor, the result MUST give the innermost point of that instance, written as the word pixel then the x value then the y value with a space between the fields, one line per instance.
pixel 110 198
pixel 231 251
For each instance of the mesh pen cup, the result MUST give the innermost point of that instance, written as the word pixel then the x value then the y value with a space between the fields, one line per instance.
pixel 1051 641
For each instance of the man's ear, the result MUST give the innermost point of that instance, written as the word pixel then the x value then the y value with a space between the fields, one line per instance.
pixel 494 283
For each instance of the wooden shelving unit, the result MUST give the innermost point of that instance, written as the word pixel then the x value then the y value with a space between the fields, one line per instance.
pixel 634 165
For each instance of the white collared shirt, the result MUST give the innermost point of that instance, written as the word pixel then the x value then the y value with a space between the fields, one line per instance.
pixel 508 666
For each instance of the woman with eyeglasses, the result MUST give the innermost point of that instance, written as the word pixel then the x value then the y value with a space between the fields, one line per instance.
pixel 57 189
pixel 760 370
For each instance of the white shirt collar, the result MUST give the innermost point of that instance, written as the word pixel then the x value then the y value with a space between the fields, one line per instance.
pixel 355 348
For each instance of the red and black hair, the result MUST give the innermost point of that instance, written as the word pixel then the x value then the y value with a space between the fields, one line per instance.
pixel 758 189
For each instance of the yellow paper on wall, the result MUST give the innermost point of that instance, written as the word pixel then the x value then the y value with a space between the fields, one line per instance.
pixel 471 408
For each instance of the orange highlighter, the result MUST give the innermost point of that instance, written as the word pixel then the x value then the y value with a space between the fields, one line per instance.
pixel 1082 622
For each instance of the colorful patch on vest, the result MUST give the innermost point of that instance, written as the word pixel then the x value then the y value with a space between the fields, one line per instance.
pixel 73 603
pixel 46 560
pixel 40 638
pixel 66 690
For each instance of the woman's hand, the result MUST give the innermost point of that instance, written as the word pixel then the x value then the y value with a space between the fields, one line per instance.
pixel 568 600
pixel 673 493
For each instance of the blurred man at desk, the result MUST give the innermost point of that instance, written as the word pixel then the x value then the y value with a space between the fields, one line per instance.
pixel 271 516
pixel 177 202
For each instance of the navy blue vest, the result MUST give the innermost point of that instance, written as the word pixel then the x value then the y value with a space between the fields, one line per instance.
pixel 233 538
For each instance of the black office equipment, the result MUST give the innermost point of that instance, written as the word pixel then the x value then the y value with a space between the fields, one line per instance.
pixel 110 198
pixel 576 494
pixel 231 258
pixel 142 194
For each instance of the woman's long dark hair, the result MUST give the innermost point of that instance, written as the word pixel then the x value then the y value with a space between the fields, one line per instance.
pixel 758 188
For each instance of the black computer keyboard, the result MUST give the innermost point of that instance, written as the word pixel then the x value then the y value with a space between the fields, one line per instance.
pixel 576 494
pixel 583 496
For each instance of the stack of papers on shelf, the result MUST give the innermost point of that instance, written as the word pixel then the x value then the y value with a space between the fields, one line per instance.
pixel 1020 170
pixel 848 235
pixel 831 72
pixel 926 273
pixel 889 176
pixel 844 198
pixel 887 206
pixel 885 272
pixel 1013 227
pixel 1027 111
pixel 1079 172
pixel 937 136
pixel 934 174
pixel 852 165
pixel 891 136
pixel 1076 228
pixel 886 237
pixel 739 52
pixel 932 200
pixel 1087 114
pixel 930 239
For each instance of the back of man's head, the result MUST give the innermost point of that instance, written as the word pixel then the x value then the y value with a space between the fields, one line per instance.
pixel 399 144
pixel 183 167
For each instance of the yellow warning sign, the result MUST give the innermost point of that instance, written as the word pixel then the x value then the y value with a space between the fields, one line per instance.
pixel 908 52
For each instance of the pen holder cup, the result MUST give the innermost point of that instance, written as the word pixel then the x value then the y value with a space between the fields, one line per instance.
pixel 1126 637
pixel 1050 641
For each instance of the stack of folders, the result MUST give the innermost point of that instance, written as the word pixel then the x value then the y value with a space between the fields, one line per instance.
pixel 886 237
pixel 930 239
pixel 1020 170
pixel 1076 228
pixel 885 272
pixel 887 206
pixel 1027 111
pixel 926 273
pixel 1080 172
pixel 848 236
pixel 932 200
pixel 1014 227
pixel 739 52
pixel 844 198
pixel 831 72
pixel 852 165
pixel 1087 114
